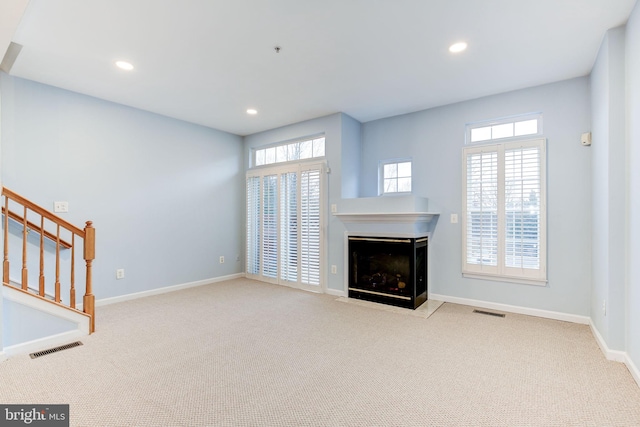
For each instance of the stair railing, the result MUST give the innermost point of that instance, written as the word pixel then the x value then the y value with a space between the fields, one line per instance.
pixel 25 210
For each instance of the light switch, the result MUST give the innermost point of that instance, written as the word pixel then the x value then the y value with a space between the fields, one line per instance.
pixel 61 207
pixel 454 218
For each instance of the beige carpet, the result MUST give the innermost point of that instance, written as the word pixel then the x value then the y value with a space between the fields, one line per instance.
pixel 243 353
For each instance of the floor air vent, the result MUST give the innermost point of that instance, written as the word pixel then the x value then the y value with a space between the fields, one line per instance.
pixel 54 350
pixel 488 313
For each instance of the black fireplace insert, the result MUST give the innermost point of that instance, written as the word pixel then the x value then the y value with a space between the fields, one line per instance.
pixel 388 270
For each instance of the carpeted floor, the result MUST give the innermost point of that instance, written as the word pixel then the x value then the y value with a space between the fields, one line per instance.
pixel 243 353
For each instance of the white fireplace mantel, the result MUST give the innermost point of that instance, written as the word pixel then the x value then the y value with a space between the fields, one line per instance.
pixel 397 214
pixel 387 217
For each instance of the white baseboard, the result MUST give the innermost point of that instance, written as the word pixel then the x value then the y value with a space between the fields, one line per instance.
pixel 635 372
pixel 44 343
pixel 3 356
pixel 615 355
pixel 336 292
pixel 555 315
pixel 158 291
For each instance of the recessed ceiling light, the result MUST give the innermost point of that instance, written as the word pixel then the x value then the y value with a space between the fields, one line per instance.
pixel 252 111
pixel 124 65
pixel 457 47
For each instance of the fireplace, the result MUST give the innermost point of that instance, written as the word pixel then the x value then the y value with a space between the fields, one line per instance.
pixel 388 270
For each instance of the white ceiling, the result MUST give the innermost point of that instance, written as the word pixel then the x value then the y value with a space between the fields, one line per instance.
pixel 207 61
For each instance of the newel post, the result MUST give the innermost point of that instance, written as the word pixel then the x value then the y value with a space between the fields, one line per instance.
pixel 88 305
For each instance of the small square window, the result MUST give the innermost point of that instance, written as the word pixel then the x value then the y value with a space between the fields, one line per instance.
pixel 396 177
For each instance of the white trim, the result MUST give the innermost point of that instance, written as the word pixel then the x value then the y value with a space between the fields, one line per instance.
pixel 166 289
pixel 3 356
pixel 635 372
pixel 44 343
pixel 387 217
pixel 615 355
pixel 555 315
pixel 508 279
pixel 81 320
pixel 336 292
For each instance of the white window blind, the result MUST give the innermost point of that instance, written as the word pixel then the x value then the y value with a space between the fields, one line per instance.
pixel 284 225
pixel 504 218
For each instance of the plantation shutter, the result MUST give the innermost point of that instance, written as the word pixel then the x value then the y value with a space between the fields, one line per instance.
pixel 524 199
pixel 310 227
pixel 289 227
pixel 253 225
pixel 269 226
pixel 482 210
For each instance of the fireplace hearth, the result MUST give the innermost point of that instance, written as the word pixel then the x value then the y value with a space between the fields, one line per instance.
pixel 388 270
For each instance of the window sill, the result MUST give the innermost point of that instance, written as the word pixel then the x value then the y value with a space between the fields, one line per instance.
pixel 508 279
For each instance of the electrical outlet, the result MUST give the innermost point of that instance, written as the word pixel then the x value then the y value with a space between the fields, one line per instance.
pixel 334 269
pixel 334 208
pixel 120 273
pixel 222 260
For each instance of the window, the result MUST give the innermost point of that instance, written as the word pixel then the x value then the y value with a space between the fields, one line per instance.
pixel 512 127
pixel 288 152
pixel 395 177
pixel 504 211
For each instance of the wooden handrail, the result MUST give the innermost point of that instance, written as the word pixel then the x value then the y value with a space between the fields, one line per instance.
pixel 16 217
pixel 41 211
pixel 87 235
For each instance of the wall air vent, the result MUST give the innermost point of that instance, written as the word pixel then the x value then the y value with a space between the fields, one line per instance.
pixel 488 313
pixel 54 350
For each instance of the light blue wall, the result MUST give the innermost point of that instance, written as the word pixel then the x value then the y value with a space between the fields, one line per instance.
pixel 23 324
pixel 609 189
pixel 599 83
pixel 351 149
pixel 435 138
pixel 633 155
pixel 165 196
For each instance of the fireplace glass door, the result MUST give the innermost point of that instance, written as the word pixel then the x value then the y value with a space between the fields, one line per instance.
pixel 388 270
